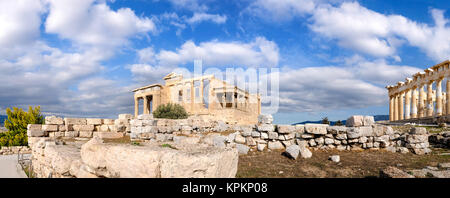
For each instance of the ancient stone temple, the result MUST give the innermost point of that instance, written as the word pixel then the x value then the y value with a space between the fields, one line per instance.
pixel 420 98
pixel 202 96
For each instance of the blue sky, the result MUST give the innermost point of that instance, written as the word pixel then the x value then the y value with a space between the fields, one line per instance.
pixel 82 57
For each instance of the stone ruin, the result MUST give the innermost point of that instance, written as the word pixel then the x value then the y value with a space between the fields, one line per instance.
pixel 193 147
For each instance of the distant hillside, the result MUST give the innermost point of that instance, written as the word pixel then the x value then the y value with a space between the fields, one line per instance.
pixel 376 117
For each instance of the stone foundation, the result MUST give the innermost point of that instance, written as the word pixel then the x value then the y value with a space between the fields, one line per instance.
pixel 14 150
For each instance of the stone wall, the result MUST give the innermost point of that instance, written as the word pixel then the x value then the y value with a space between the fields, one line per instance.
pixel 360 133
pixel 10 150
pixel 55 127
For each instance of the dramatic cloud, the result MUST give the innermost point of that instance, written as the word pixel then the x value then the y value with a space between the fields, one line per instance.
pixel 94 23
pixel 317 89
pixel 259 52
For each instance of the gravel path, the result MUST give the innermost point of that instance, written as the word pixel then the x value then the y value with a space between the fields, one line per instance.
pixel 9 167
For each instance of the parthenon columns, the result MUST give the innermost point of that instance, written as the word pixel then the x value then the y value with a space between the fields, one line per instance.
pixel 408 100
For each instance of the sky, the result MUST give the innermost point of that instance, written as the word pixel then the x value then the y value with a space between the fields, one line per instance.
pixel 83 57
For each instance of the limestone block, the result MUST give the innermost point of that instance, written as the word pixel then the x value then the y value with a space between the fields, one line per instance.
pixel 273 135
pixel 393 172
pixel 265 119
pixel 300 128
pixel 256 134
pixel 246 133
pixel 369 120
pixel 306 136
pixel 416 138
pixel 185 140
pixel 108 135
pixel 284 129
pixel 121 128
pixel 357 132
pixel 266 128
pixel 418 131
pixel 83 127
pixel 261 146
pixel 103 128
pixel 287 143
pixel 319 129
pixel 292 151
pixel 342 136
pixel 61 127
pixel 35 130
pixel 53 120
pixel 49 128
pixel 85 134
pixel 289 136
pixel 355 121
pixel 264 136
pixel 320 140
pixel 335 158
pixel 94 121
pixel 250 141
pixel 108 121
pixel 75 121
pixel 305 152
pixel 312 142
pixel 71 134
pixel 239 139
pixel 281 137
pixel 329 141
pixel 112 128
pixel 275 145
pixel 337 129
pixel 242 149
pixel 145 117
pixel 56 134
pixel 145 136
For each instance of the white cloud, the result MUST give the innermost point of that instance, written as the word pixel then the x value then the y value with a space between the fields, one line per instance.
pixel 259 52
pixel 92 22
pixel 200 17
pixel 193 5
pixel 280 10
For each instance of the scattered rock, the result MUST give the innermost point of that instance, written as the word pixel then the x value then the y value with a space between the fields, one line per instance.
pixel 393 172
pixel 335 158
pixel 293 151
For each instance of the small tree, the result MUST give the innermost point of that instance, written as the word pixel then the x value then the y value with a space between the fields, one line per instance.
pixel 339 123
pixel 17 123
pixel 325 120
pixel 170 111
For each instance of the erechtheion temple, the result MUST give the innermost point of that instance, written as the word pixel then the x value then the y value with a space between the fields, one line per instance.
pixel 415 100
pixel 203 96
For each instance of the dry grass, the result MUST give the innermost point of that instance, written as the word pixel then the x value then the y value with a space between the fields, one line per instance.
pixel 352 164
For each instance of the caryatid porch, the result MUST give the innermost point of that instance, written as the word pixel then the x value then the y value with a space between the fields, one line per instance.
pixel 421 97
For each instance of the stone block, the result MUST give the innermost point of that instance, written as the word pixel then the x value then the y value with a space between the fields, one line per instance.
pixel 355 121
pixel 108 121
pixel 369 120
pixel 121 122
pixel 292 151
pixel 357 132
pixel 108 135
pixel 75 121
pixel 300 128
pixel 126 116
pixel 337 129
pixel 318 129
pixel 273 135
pixel 85 134
pixel 53 120
pixel 239 139
pixel 83 127
pixel 94 121
pixel 275 145
pixel 284 129
pixel 49 128
pixel 266 128
pixel 418 131
pixel 71 134
pixel 242 149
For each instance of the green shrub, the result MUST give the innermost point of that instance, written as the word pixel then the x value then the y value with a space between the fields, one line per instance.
pixel 170 111
pixel 325 120
pixel 17 123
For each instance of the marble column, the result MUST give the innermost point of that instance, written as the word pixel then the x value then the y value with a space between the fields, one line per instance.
pixel 408 104
pixel 439 97
pixel 414 103
pixel 396 107
pixel 422 99
pixel 401 106
pixel 145 106
pixel 448 96
pixel 136 107
pixel 391 108
pixel 430 99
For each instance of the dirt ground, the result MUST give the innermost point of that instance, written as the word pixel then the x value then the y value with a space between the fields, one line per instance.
pixel 357 164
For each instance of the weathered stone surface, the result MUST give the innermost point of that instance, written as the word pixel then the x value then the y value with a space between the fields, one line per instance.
pixel 418 131
pixel 329 141
pixel 49 128
pixel 335 158
pixel 276 145
pixel 292 151
pixel 239 139
pixel 53 120
pixel 71 134
pixel 242 149
pixel 108 121
pixel 300 128
pixel 369 120
pixel 355 121
pixel 393 172
pixel 85 134
pixel 416 138
pixel 444 165
pixel 273 135
pixel 107 135
pixel 336 129
pixel 75 121
pixel 319 129
pixel 94 121
pixel 83 127
pixel 266 128
pixel 305 152
pixel 35 130
pixel 126 116
pixel 284 129
pixel 185 140
pixel 357 132
pixel 145 117
pixel 150 161
pixel 219 141
pixel 265 119
pixel 261 146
